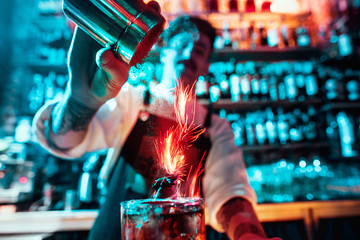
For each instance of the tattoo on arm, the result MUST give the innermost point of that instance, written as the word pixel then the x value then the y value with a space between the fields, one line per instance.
pixel 245 221
pixel 74 116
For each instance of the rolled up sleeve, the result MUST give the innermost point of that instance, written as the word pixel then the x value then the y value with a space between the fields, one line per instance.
pixel 225 172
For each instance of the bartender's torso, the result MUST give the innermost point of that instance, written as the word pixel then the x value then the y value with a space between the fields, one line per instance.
pixel 141 150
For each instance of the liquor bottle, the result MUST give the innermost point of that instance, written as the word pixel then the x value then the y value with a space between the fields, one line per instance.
pixel 245 87
pixel 282 127
pixel 300 84
pixel 264 88
pixel 260 129
pixel 271 128
pixel 332 133
pixel 202 88
pixel 311 81
pixel 309 123
pixel 281 90
pixel 347 136
pixel 233 5
pixel 226 34
pixel 224 87
pixel 213 5
pixel 284 34
pixel 250 6
pixel 273 39
pixel 295 132
pixel 239 132
pixel 273 88
pixel 352 87
pixel 215 93
pixel 235 87
pixel 263 34
pixel 250 131
pixel 290 86
pixel 255 87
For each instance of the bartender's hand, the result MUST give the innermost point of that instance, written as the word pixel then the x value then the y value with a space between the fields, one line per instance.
pixel 95 76
pixel 240 222
pixel 93 84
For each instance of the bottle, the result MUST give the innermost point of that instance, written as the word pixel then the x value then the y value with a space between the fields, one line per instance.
pixel 284 34
pixel 245 87
pixel 233 5
pixel 239 132
pixel 273 39
pixel 347 136
pixel 300 85
pixel 215 93
pixel 311 86
pixel 295 132
pixel 264 88
pixel 213 5
pixel 260 128
pixel 224 87
pixel 303 39
pixel 309 123
pixel 290 86
pixel 226 34
pixel 282 127
pixel 263 35
pixel 273 88
pixel 250 6
pixel 271 128
pixel 255 87
pixel 235 87
pixel 202 88
pixel 250 131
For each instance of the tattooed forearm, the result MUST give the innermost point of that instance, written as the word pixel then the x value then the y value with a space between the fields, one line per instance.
pixel 73 116
pixel 244 228
pixel 237 217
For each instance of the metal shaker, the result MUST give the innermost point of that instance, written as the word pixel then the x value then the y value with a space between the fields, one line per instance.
pixel 130 27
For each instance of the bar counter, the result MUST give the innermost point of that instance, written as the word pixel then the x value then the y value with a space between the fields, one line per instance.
pixel 81 220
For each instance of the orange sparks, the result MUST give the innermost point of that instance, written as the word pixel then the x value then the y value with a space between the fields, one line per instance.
pixel 194 188
pixel 171 149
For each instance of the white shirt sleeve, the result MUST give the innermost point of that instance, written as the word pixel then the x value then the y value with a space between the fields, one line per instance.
pixel 225 172
pixel 109 127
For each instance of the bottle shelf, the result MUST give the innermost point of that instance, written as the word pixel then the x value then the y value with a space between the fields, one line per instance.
pixel 340 106
pixel 285 147
pixel 227 104
pixel 45 67
pixel 259 54
pixel 237 19
pixel 266 54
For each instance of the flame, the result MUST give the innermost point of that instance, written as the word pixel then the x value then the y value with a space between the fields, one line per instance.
pixel 194 188
pixel 172 147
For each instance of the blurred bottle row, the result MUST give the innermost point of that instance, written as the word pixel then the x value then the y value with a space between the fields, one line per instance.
pixel 45 88
pixel 259 81
pixel 252 35
pixel 222 6
pixel 338 130
pixel 273 126
pixel 304 178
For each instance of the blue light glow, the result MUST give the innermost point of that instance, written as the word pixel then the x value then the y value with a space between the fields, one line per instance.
pixel 316 162
pixel 302 163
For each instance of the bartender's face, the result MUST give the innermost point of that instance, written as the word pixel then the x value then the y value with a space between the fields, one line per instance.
pixel 187 56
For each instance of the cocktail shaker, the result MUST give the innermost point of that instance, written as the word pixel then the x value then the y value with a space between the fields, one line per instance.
pixel 130 27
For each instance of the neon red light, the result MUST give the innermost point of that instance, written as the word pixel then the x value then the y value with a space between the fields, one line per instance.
pixel 23 180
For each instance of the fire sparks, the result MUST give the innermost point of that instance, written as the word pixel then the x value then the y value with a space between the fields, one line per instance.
pixel 194 188
pixel 172 147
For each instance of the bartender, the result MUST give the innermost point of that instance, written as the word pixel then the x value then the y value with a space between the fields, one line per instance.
pixel 100 110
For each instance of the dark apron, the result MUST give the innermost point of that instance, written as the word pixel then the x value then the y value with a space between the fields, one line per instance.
pixel 137 155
